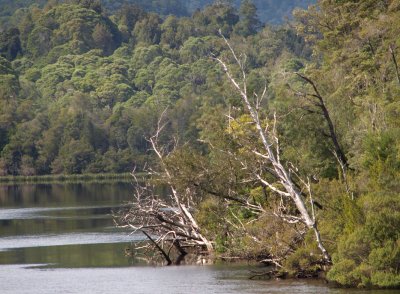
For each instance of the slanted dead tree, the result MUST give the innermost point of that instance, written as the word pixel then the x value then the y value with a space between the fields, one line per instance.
pixel 166 221
pixel 316 99
pixel 396 66
pixel 281 178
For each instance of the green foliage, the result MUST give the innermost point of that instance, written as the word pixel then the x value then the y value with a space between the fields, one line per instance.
pixel 148 30
pixel 269 10
pixel 249 23
pixel 70 28
pixel 73 158
pixel 364 220
pixel 302 263
pixel 218 16
pixel 10 45
pixel 368 254
pixel 209 218
pixel 341 273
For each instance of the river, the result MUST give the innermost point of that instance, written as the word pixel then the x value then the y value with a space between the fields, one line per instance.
pixel 60 238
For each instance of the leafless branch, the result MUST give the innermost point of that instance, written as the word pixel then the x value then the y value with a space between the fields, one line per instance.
pixel 166 221
pixel 269 155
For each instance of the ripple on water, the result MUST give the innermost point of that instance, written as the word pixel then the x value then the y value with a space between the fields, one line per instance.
pixel 142 280
pixel 14 242
pixel 42 212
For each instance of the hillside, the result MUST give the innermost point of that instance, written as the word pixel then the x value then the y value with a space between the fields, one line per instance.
pixel 269 11
pixel 80 87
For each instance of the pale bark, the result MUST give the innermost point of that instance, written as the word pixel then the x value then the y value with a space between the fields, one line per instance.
pixel 269 154
pixel 166 222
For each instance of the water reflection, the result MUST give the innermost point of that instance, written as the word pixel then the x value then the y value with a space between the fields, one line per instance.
pixel 64 195
pixel 27 241
pixel 70 256
pixel 64 225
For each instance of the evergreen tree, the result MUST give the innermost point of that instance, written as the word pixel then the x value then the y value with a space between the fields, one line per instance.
pixel 249 22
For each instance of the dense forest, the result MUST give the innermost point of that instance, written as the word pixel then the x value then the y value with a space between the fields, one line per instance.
pixel 83 85
pixel 79 84
pixel 269 11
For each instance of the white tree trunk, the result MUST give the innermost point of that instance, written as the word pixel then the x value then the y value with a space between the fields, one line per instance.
pixel 270 154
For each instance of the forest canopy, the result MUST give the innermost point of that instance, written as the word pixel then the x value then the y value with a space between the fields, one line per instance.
pixel 80 79
pixel 269 11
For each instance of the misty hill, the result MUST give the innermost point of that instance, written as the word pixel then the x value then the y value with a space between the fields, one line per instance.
pixel 270 11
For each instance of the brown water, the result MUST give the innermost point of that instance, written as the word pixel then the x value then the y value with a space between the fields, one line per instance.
pixel 60 238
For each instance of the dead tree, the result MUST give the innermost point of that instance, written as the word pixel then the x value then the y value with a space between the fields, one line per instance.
pixel 166 221
pixel 396 66
pixel 318 101
pixel 286 183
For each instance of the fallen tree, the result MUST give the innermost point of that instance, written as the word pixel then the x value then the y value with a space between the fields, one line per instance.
pixel 281 178
pixel 166 221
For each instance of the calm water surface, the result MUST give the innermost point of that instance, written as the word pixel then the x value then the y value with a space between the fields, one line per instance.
pixel 60 238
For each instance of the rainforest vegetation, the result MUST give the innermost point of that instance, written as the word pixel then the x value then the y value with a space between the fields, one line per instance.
pixel 83 84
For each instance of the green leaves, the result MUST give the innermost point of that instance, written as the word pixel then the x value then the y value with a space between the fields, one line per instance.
pixel 249 22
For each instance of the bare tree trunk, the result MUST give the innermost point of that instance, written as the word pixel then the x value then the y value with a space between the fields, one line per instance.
pixel 392 52
pixel 270 155
pixel 159 248
pixel 337 149
pixel 332 133
pixel 166 222
pixel 184 211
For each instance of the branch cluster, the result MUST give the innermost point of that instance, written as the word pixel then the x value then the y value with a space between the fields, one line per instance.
pixel 166 221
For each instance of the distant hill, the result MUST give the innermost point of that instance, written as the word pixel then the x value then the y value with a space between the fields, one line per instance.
pixel 270 11
pixel 7 7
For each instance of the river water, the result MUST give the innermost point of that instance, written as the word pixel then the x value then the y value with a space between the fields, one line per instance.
pixel 60 238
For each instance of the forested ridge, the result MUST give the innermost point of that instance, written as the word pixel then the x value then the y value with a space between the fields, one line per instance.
pixel 79 84
pixel 82 89
pixel 270 11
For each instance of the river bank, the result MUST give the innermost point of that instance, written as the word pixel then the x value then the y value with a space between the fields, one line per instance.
pixel 65 178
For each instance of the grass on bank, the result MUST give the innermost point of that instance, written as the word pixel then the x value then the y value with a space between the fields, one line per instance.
pixel 126 177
